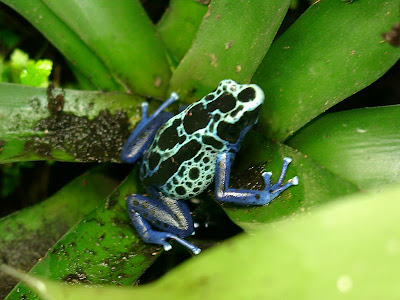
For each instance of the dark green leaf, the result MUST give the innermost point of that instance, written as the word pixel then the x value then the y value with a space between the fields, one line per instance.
pixel 26 235
pixel 123 38
pixel 317 186
pixel 362 146
pixel 332 51
pixel 179 25
pixel 37 124
pixel 101 249
pixel 230 43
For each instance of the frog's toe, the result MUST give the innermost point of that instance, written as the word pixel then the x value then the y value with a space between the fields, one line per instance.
pixel 160 238
pixel 167 246
pixel 188 245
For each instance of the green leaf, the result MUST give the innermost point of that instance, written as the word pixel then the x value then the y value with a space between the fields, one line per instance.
pixel 37 124
pixel 66 41
pixel 37 73
pixel 332 51
pixel 26 235
pixel 101 249
pixel 348 249
pixel 178 26
pixel 230 43
pixel 52 290
pixel 317 186
pixel 362 146
pixel 122 36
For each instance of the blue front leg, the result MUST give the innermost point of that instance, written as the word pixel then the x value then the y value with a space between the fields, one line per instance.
pixel 144 132
pixel 248 197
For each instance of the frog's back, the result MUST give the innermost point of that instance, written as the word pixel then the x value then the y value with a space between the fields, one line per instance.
pixel 180 162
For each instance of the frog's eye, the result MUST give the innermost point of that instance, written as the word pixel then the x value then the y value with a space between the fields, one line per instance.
pixel 231 131
pixel 247 95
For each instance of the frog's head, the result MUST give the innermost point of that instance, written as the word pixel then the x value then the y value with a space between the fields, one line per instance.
pixel 235 108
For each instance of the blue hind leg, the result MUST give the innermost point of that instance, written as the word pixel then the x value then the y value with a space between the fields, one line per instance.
pixel 172 217
pixel 144 132
pixel 248 197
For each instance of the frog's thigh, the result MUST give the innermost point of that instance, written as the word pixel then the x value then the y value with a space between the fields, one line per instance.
pixel 167 214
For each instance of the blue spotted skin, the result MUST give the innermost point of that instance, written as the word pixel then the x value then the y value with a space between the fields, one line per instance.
pixel 182 155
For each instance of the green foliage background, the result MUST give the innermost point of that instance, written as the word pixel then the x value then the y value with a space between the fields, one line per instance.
pixel 321 238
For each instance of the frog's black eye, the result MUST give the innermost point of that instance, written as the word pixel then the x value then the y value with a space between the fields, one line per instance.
pixel 250 117
pixel 247 95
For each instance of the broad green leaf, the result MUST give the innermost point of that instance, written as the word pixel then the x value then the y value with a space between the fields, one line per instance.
pixel 83 82
pixel 66 41
pixel 178 26
pixel 332 51
pixel 348 249
pixel 37 124
pixel 26 235
pixel 362 145
pixel 53 290
pixel 317 186
pixel 230 43
pixel 123 38
pixel 101 249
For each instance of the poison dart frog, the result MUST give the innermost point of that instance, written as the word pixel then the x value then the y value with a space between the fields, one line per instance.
pixel 183 154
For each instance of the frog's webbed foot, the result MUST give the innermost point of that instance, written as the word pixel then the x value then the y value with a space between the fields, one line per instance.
pixel 173 216
pixel 245 197
pixel 279 187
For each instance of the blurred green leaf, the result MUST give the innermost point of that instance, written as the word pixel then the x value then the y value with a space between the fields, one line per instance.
pixel 66 41
pixel 26 235
pixel 178 26
pixel 27 71
pixel 230 43
pixel 102 249
pixel 8 39
pixel 11 176
pixel 37 73
pixel 362 145
pixel 19 59
pixel 348 249
pixel 317 186
pixel 332 51
pixel 37 124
